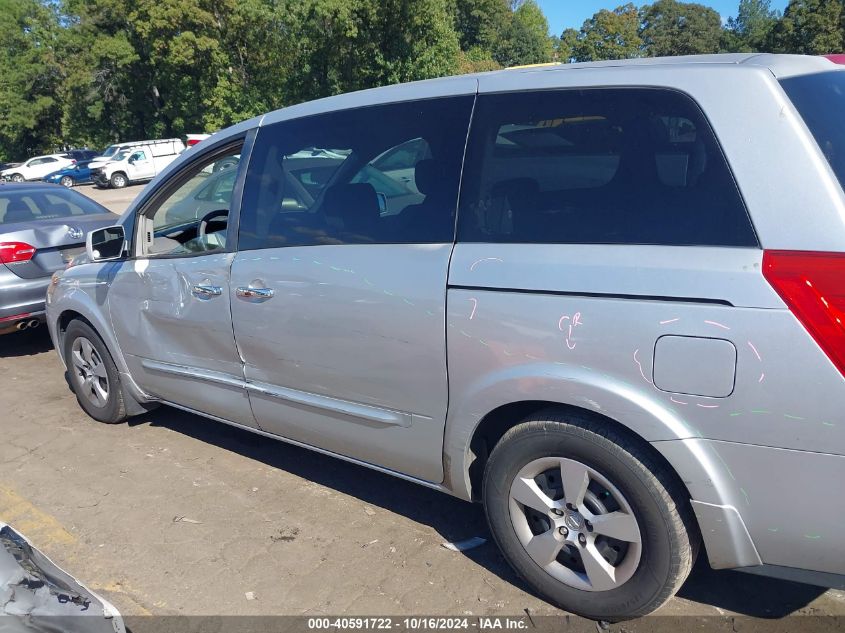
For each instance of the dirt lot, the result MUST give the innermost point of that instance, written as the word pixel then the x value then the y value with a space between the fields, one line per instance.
pixel 176 514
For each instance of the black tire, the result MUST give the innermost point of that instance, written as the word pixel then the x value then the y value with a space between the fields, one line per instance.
pixel 113 410
pixel 16 178
pixel 118 180
pixel 66 181
pixel 659 501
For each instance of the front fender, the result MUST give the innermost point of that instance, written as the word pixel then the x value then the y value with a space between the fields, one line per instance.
pixel 83 290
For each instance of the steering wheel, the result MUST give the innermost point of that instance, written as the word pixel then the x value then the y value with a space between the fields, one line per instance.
pixel 206 220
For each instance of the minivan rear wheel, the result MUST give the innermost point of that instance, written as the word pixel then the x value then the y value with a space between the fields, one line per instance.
pixel 588 517
pixel 93 374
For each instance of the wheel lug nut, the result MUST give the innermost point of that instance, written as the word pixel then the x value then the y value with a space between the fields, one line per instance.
pixel 570 506
pixel 589 526
pixel 582 539
pixel 563 531
pixel 557 512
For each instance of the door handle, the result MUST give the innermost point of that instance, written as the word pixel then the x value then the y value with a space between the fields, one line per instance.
pixel 202 291
pixel 255 294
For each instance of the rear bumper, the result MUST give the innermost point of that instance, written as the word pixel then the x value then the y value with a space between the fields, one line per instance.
pixel 766 509
pixel 21 299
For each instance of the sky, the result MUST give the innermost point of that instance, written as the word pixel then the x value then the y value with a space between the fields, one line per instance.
pixel 563 14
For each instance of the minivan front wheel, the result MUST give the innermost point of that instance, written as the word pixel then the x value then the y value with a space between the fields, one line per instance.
pixel 588 517
pixel 93 374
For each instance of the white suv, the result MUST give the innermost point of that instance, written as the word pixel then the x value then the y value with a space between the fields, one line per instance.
pixel 137 162
pixel 36 168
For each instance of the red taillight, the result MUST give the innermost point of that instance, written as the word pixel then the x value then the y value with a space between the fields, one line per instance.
pixel 813 287
pixel 14 252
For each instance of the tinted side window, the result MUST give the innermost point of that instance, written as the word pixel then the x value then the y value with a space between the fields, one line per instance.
pixel 632 166
pixel 376 175
pixel 820 98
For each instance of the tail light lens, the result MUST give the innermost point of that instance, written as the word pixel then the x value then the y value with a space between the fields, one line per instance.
pixel 14 252
pixel 813 287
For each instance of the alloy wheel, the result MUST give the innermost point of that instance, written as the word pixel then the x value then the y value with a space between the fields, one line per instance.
pixel 575 524
pixel 90 372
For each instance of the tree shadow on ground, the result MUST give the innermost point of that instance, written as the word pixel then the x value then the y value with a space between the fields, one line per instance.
pixel 455 520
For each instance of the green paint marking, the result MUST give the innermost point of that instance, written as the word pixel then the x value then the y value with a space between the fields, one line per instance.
pixel 316 262
pixel 507 353
pixel 388 293
pixel 406 301
pixel 368 282
pixel 465 334
pixel 747 500
pixel 759 411
pixel 773 529
pixel 297 259
pixel 733 415
pixel 813 536
pixel 336 268
pixel 483 342
pixel 828 423
pixel 430 313
pixel 793 417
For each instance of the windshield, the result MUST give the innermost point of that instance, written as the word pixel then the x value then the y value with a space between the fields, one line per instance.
pixel 110 150
pixel 121 155
pixel 33 206
pixel 820 99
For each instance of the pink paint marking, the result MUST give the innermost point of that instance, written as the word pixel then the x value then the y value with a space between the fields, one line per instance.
pixel 576 321
pixel 569 345
pixel 672 398
pixel 754 349
pixel 485 259
pixel 560 323
pixel 707 406
pixel 762 375
pixel 669 321
pixel 474 306
pixel 637 361
pixel 724 327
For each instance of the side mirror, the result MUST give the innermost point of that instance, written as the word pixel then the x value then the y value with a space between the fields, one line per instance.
pixel 132 160
pixel 105 244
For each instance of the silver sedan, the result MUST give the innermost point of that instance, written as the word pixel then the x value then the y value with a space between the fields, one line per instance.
pixel 42 227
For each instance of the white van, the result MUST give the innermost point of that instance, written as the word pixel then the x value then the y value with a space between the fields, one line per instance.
pixel 136 162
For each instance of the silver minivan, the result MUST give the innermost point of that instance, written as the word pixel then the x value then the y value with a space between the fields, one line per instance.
pixel 605 300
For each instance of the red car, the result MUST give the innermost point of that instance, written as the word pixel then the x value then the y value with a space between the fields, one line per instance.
pixel 837 59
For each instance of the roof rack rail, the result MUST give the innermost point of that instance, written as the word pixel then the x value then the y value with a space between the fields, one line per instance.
pixel 152 142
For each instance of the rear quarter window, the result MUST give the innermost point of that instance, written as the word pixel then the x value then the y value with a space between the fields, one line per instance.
pixel 820 100
pixel 607 166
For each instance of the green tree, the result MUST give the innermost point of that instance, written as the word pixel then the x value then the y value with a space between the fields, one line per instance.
pixel 751 29
pixel 810 27
pixel 669 27
pixel 479 22
pixel 607 35
pixel 29 78
pixel 345 45
pixel 525 39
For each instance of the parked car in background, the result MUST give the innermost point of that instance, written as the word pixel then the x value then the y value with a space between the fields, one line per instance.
pixel 605 300
pixel 36 168
pixel 77 174
pixel 836 58
pixel 137 162
pixel 80 155
pixel 42 227
pixel 193 139
pixel 112 150
pixel 4 166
